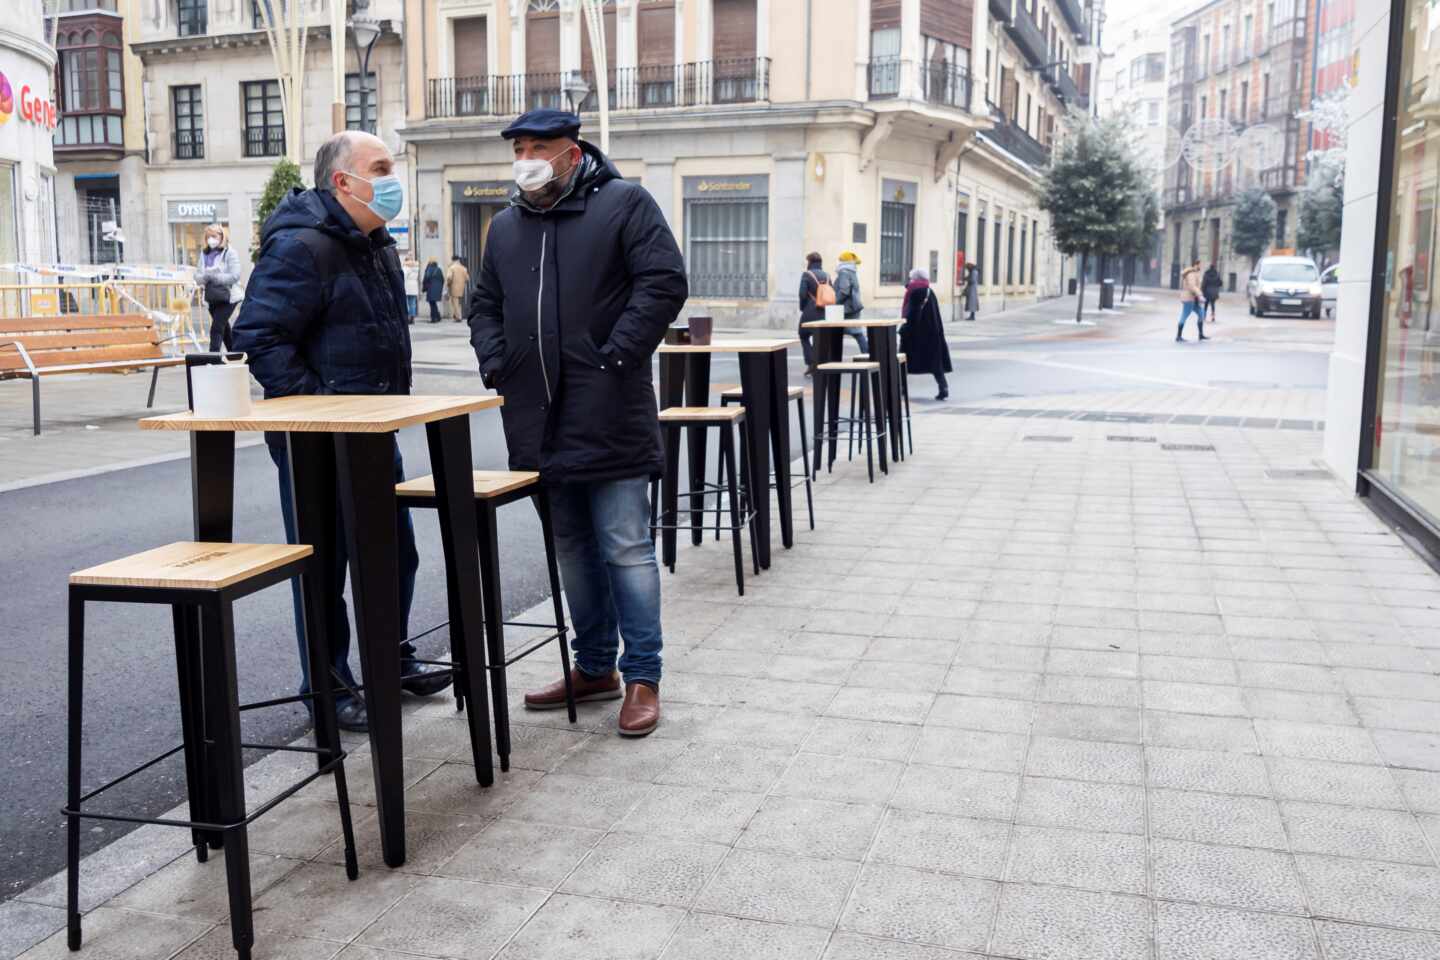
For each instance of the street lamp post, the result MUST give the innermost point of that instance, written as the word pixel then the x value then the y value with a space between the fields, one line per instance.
pixel 576 90
pixel 366 30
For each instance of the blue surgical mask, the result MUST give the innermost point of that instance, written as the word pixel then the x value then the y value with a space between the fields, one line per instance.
pixel 389 196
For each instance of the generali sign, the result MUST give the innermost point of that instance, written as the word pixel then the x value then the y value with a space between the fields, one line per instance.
pixel 34 108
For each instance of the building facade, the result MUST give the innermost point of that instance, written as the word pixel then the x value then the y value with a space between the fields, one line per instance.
pixel 1382 424
pixel 215 122
pixel 100 140
pixel 1240 73
pixel 909 131
pixel 27 119
pixel 1133 84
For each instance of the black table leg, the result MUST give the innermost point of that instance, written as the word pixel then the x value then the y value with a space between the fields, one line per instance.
pixel 672 394
pixel 697 394
pixel 212 497
pixel 829 344
pixel 780 440
pixel 225 763
pixel 885 350
pixel 192 720
pixel 366 469
pixel 755 383
pixel 450 464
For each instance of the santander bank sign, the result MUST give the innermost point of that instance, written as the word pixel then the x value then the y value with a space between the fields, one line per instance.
pixel 33 107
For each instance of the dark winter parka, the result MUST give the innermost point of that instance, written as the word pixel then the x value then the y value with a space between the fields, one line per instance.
pixel 434 282
pixel 568 308
pixel 324 311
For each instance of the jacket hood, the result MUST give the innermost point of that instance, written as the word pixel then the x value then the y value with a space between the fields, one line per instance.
pixel 595 169
pixel 319 211
pixel 846 266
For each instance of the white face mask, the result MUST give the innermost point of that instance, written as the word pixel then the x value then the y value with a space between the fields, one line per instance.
pixel 533 174
pixel 212 242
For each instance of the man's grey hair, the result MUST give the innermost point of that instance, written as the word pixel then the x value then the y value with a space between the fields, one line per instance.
pixel 333 155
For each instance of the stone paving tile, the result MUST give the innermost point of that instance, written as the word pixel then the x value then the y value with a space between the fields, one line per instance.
pixel 1185 931
pixel 786 889
pixel 1112 862
pixel 1323 782
pixel 453 918
pixel 901 903
pixel 704 936
pixel 957 792
pixel 1214 818
pixel 1118 808
pixel 977 749
pixel 583 928
pixel 942 844
pixel 824 829
pixel 1355 832
pixel 645 869
pixel 1368 891
pixel 1052 923
pixel 1348 941
pixel 1084 760
pixel 1245 877
pixel 510 851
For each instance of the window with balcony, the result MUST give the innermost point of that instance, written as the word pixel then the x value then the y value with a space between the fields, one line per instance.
pixel 190 17
pixel 188 119
pixel 543 87
pixel 264 118
pixel 885 62
pixel 277 8
pixel 655 33
pixel 1155 67
pixel 1247 35
pixel 361 103
pixel 92 89
pixel 1225 51
pixel 946 74
pixel 734 70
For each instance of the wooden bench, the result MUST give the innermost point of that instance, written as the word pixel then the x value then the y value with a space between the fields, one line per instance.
pixel 36 347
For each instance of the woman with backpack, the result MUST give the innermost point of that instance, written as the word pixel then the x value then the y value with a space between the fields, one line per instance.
pixel 816 294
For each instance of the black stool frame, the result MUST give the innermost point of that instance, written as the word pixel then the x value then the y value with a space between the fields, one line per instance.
pixel 489 546
pixel 210 726
pixel 869 397
pixel 742 506
pixel 725 401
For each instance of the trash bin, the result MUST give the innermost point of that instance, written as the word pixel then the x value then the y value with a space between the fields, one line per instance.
pixel 1073 286
pixel 1107 294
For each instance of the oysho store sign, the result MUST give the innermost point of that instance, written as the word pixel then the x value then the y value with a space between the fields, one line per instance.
pixel 32 107
pixel 198 211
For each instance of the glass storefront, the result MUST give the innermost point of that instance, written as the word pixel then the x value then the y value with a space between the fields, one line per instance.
pixel 1405 454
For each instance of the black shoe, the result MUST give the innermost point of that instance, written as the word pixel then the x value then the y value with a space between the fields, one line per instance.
pixel 1179 339
pixel 1203 337
pixel 422 683
pixel 944 396
pixel 350 715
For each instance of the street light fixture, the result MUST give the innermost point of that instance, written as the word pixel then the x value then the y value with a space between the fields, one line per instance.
pixel 366 30
pixel 577 90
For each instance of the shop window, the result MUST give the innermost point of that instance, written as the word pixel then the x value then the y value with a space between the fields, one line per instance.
pixel 9 215
pixel 980 248
pixel 92 88
pixel 190 17
pixel 1024 228
pixel 995 269
pixel 897 241
pixel 1010 255
pixel 264 118
pixel 189 122
pixel 354 97
pixel 727 244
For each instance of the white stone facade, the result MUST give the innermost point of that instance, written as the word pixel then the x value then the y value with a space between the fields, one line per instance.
pixel 27 115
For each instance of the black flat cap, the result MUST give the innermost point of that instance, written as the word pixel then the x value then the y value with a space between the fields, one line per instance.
pixel 546 123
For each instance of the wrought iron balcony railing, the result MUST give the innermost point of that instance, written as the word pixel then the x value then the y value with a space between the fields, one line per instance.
pixel 265 142
pixel 188 144
pixel 1017 142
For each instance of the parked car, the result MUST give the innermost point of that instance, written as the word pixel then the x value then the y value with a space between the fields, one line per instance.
pixel 1330 288
pixel 1284 285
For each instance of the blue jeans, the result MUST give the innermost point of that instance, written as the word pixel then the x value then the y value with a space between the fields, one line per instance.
pixel 340 637
pixel 1188 307
pixel 612 582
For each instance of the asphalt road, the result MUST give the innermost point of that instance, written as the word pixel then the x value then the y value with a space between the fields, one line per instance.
pixel 131 714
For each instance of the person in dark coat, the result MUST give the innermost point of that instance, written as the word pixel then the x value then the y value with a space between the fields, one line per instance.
pixel 324 313
pixel 434 284
pixel 579 280
pixel 972 290
pixel 847 295
pixel 922 339
pixel 1210 287
pixel 810 285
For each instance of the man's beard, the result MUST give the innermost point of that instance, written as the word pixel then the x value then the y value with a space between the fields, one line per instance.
pixel 550 193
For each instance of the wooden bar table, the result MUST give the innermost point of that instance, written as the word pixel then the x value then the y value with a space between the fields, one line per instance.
pixel 884 350
pixel 765 383
pixel 343 445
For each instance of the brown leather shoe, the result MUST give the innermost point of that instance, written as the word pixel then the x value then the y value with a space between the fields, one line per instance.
pixel 641 711
pixel 553 696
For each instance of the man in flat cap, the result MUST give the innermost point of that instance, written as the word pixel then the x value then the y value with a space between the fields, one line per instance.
pixel 580 277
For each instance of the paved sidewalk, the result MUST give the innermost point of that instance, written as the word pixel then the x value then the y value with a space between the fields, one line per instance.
pixel 1050 690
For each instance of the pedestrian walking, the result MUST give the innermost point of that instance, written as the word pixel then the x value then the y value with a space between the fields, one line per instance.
pixel 847 295
pixel 457 284
pixel 922 338
pixel 1210 287
pixel 816 293
pixel 580 278
pixel 1191 295
pixel 434 284
pixel 324 313
pixel 219 272
pixel 972 289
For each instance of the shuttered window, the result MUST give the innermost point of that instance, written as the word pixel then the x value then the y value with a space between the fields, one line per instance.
pixel 472 47
pixel 948 20
pixel 655 27
pixel 1007 93
pixel 884 14
pixel 727 247
pixel 734 30
pixel 542 43
pixel 587 53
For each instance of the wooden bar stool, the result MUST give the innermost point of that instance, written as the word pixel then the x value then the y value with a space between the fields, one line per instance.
pixel 200 583
pixel 493 490
pixel 731 395
pixel 742 509
pixel 870 420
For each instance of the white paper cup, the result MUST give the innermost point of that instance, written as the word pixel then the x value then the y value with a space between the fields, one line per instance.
pixel 221 390
pixel 834 311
